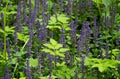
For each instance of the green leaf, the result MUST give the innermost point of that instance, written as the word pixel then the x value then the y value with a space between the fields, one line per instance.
pixel 64 49
pixel 97 1
pixel 48 51
pixel 33 62
pixel 22 77
pixel 53 42
pixel 1 31
pixel 100 67
pixel 50 46
pixel 19 54
pixel 11 12
pixel 106 2
pixel 62 18
pixel 60 54
pixel 9 29
pixel 22 37
pixel 12 61
pixel 116 52
pixel 58 46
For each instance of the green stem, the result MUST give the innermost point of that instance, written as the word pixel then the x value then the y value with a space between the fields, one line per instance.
pixel 14 70
pixel 24 45
pixel 4 51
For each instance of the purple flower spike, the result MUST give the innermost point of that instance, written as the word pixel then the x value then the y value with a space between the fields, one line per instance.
pixel 62 40
pixel 19 24
pixel 28 70
pixel 7 76
pixel 83 67
pixel 95 30
pixel 24 12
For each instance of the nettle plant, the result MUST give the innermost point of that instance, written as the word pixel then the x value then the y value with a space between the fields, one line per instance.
pixel 58 21
pixel 54 48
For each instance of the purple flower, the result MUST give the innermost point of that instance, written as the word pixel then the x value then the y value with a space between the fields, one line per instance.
pixel 66 57
pixel 6 76
pixel 39 65
pixel 50 59
pixel 19 24
pixel 88 35
pixel 83 67
pixel 15 41
pixel 24 12
pixel 76 74
pixel 44 5
pixel 28 70
pixel 62 40
pixel 95 30
pixel 84 39
pixel 69 7
pixel 73 26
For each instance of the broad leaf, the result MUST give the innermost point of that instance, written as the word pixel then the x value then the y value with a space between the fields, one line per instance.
pixel 33 62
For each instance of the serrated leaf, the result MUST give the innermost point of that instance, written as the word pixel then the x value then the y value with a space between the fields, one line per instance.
pixel 53 42
pixel 58 46
pixel 48 51
pixel 60 54
pixel 33 62
pixel 9 29
pixel 49 46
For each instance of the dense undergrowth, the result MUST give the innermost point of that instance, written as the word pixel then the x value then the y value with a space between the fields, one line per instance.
pixel 59 39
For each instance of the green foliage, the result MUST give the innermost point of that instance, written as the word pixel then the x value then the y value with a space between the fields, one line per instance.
pixel 63 71
pixel 55 48
pixel 8 30
pixel 22 37
pixel 58 23
pixel 102 64
pixel 33 62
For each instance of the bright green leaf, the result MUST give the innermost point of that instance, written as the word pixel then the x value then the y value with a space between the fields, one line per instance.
pixel 53 42
pixel 50 46
pixel 64 50
pixel 33 62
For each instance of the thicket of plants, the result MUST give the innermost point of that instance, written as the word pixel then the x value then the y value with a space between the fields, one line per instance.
pixel 59 39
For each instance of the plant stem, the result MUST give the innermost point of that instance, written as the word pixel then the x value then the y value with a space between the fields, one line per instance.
pixel 5 51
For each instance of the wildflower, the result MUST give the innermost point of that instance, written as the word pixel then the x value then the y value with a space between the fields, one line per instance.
pixel 19 24
pixel 28 71
pixel 95 30
pixel 24 12
pixel 62 40
pixel 83 67
pixel 6 76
